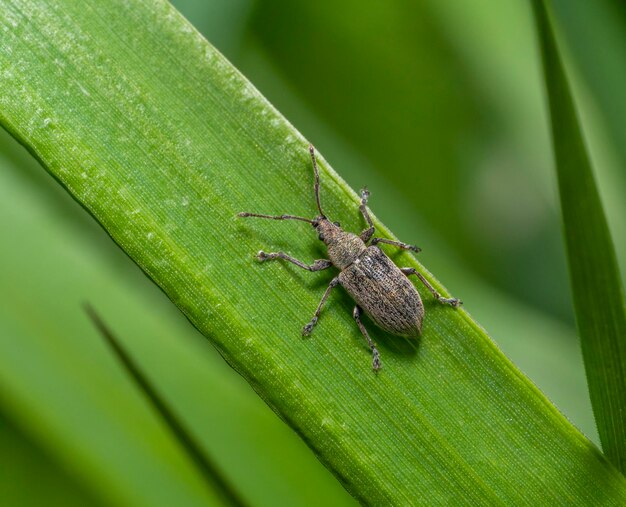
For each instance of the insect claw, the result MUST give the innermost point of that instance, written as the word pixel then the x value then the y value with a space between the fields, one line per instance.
pixel 306 330
pixel 454 302
pixel 376 364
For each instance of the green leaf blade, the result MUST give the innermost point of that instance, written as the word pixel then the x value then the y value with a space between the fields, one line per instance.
pixel 166 146
pixel 594 272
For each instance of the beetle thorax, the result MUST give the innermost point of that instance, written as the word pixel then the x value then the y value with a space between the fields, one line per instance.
pixel 343 247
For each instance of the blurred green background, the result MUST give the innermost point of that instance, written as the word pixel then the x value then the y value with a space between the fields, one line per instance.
pixel 438 107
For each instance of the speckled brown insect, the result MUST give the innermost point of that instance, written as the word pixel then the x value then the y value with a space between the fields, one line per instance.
pixel 380 288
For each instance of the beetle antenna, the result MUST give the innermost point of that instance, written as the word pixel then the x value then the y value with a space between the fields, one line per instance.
pixel 317 179
pixel 244 214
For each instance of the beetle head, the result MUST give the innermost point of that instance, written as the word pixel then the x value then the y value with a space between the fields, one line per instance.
pixel 327 231
pixel 343 247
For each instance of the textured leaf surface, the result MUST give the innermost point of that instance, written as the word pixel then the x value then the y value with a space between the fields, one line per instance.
pixel 164 142
pixel 594 273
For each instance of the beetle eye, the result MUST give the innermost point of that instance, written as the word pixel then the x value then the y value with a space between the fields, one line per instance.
pixel 321 237
pixel 337 224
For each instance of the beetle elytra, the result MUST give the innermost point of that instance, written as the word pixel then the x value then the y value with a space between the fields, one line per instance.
pixel 380 288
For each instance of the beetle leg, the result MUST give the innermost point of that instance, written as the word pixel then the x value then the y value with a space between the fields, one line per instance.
pixel 367 233
pixel 306 330
pixel 449 301
pixel 376 364
pixel 318 265
pixel 399 244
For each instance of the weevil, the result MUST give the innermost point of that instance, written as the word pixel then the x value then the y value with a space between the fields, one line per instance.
pixel 380 289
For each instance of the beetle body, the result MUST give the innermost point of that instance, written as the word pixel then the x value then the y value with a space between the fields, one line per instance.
pixel 380 288
pixel 375 283
pixel 384 293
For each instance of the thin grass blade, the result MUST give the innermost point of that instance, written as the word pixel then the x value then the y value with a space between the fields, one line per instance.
pixel 594 273
pixel 213 476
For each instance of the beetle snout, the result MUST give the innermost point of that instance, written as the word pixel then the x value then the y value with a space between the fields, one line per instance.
pixel 318 220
